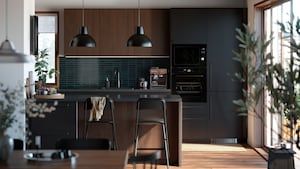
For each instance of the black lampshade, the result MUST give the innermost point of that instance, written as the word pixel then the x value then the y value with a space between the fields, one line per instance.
pixel 83 39
pixel 139 39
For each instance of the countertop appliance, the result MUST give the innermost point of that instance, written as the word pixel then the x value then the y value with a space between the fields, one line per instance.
pixel 158 78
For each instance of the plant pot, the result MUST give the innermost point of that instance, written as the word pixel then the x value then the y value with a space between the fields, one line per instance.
pixel 6 148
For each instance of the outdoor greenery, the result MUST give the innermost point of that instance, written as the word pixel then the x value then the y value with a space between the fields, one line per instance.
pixel 42 66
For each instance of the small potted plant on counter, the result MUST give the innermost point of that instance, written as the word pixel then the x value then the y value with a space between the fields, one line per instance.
pixel 42 71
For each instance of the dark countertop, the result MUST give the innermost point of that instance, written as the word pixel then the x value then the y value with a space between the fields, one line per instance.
pixel 119 95
pixel 115 90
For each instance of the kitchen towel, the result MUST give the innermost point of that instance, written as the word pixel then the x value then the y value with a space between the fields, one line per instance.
pixel 98 107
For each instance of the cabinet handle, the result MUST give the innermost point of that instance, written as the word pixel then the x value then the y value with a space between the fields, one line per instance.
pixel 209 107
pixel 209 76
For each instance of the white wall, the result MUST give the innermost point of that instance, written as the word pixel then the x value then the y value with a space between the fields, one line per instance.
pixel 13 74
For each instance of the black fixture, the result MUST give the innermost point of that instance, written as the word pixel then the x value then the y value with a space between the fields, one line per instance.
pixel 139 39
pixel 83 39
pixel 189 77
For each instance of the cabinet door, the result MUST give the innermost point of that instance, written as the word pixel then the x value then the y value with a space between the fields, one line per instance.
pixel 57 124
pixel 72 24
pixel 189 26
pixel 156 27
pixel 225 121
pixel 115 29
pixel 221 42
pixel 196 119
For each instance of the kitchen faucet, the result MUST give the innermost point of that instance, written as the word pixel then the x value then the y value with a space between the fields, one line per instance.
pixel 117 78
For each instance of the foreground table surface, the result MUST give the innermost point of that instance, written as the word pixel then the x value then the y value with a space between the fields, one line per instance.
pixel 88 159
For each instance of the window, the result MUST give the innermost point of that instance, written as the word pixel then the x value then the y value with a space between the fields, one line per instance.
pixel 48 39
pixel 279 13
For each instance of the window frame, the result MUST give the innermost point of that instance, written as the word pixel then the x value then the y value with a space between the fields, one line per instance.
pixel 53 13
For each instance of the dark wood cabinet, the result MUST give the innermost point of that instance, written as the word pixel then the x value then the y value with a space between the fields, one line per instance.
pixel 196 121
pixel 221 42
pixel 114 31
pixel 111 29
pixel 156 27
pixel 72 24
pixel 225 120
pixel 57 124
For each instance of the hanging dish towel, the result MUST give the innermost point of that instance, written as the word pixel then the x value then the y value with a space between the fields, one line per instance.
pixel 97 109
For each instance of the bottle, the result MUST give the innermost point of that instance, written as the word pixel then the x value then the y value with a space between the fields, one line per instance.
pixel 107 83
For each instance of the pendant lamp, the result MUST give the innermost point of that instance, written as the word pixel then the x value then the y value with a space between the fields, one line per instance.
pixel 83 39
pixel 139 39
pixel 8 53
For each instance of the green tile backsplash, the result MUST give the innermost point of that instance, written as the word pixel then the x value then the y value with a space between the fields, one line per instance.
pixel 91 73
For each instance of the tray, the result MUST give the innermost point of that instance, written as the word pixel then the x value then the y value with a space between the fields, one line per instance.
pixel 46 157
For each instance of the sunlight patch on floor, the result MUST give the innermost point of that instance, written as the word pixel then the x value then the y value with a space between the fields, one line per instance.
pixel 212 147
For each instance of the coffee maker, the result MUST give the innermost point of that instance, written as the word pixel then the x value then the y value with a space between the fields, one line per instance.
pixel 158 78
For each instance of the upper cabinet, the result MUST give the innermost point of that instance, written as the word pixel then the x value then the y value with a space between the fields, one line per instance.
pixel 111 29
pixel 72 24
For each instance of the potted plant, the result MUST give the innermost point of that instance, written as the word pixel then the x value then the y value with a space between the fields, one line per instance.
pixel 9 101
pixel 42 68
pixel 251 56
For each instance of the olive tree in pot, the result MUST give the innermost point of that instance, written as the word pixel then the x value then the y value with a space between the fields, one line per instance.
pixel 251 56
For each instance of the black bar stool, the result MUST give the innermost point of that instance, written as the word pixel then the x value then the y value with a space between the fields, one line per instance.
pixel 107 120
pixel 151 111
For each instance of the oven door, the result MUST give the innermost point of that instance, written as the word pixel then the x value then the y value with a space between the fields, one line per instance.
pixel 191 88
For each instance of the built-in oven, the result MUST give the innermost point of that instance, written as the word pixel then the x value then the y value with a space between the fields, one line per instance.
pixel 192 88
pixel 189 72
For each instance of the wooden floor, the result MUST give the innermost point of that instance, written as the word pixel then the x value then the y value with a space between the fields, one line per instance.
pixel 208 156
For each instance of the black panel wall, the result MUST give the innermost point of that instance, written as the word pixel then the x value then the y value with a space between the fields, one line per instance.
pixel 216 119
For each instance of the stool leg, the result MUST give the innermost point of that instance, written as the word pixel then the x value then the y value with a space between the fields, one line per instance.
pixel 114 136
pixel 136 139
pixel 166 143
pixel 86 130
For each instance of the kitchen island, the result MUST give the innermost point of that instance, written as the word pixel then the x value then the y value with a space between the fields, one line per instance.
pixel 125 114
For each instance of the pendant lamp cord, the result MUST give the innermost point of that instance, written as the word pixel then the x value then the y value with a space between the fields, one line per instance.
pixel 6 15
pixel 139 13
pixel 82 12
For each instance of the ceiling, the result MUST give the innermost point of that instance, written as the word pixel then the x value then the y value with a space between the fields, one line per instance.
pixel 44 5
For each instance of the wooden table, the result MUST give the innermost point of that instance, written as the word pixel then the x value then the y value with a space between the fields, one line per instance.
pixel 88 159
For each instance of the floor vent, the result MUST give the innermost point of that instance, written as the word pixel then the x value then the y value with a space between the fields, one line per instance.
pixel 223 141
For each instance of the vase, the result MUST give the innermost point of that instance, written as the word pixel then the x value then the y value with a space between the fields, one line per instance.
pixel 6 148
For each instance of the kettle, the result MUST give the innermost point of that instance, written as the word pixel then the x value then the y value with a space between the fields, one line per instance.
pixel 143 84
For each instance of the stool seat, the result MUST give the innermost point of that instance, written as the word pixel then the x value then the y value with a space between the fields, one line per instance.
pixel 143 157
pixel 101 121
pixel 152 121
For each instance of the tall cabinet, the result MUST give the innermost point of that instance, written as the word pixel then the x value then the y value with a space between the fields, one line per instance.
pixel 217 118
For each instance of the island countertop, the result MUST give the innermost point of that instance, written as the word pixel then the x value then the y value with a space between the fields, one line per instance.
pixel 119 95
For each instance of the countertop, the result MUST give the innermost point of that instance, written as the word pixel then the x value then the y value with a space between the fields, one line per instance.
pixel 119 95
pixel 115 90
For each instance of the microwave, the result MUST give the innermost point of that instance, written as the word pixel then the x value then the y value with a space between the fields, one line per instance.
pixel 189 55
